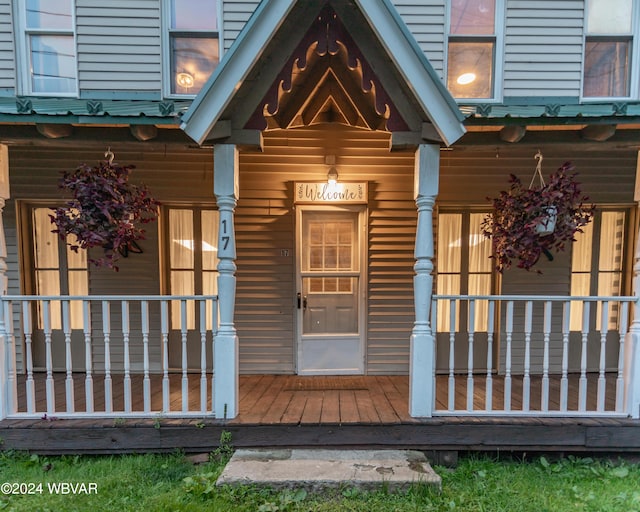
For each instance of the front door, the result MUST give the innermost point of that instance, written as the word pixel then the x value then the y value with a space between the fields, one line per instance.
pixel 330 290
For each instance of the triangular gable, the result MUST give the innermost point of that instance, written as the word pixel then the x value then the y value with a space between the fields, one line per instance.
pixel 278 28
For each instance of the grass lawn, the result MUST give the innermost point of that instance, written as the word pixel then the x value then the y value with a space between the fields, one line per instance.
pixel 155 483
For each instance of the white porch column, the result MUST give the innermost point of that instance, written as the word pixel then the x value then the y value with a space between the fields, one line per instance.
pixel 8 391
pixel 225 186
pixel 422 364
pixel 632 343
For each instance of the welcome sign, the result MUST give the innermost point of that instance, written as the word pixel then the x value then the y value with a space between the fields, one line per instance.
pixel 323 192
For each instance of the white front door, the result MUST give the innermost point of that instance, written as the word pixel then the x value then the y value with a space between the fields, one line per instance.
pixel 330 290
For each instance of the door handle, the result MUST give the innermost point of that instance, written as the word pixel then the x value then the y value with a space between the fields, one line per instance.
pixel 302 302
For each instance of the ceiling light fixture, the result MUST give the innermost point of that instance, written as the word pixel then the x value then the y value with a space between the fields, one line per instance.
pixel 184 80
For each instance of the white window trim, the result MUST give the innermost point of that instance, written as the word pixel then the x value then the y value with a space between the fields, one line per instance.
pixel 166 47
pixel 23 52
pixel 634 61
pixel 498 54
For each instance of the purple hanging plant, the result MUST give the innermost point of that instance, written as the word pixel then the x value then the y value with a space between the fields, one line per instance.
pixel 106 211
pixel 517 214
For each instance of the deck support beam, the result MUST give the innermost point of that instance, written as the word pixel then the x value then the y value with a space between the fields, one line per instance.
pixel 422 358
pixel 632 344
pixel 8 390
pixel 225 362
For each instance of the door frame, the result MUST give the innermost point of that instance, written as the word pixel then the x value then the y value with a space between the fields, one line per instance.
pixel 361 210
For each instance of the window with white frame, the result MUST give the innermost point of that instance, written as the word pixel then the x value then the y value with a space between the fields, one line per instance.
pixel 607 48
pixel 471 51
pixel 597 264
pixel 50 47
pixel 193 44
pixel 464 266
pixel 192 257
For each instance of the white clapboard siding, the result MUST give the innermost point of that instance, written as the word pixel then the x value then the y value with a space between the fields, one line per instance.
pixel 426 21
pixel 7 49
pixel 119 45
pixel 543 48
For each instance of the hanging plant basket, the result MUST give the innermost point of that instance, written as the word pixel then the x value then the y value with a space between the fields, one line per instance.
pixel 527 222
pixel 106 211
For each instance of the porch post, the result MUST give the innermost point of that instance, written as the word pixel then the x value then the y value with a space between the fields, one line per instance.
pixel 422 363
pixel 225 363
pixel 632 344
pixel 7 354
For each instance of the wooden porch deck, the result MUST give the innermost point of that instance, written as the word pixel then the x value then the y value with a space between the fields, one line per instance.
pixel 293 411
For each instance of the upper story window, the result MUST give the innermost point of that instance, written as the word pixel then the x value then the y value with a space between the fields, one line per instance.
pixel 50 47
pixel 607 48
pixel 471 52
pixel 193 44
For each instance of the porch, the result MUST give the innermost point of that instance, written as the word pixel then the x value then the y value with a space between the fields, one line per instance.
pixel 342 411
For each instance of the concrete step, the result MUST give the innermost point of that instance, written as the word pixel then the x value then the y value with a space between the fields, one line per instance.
pixel 314 469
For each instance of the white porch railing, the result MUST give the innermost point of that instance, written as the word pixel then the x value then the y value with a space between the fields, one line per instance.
pixel 101 355
pixel 530 355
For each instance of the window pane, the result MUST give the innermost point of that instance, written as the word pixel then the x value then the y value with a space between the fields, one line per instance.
pixel 611 241
pixel 209 240
pixel 581 250
pixel 193 59
pixel 45 243
pixel 194 15
pixel 449 243
pixel 48 283
pixel 606 66
pixel 470 69
pixel 53 62
pixel 609 16
pixel 480 284
pixel 182 284
pixel 580 287
pixel 78 285
pixel 76 260
pixel 473 17
pixel 51 14
pixel 182 242
pixel 479 246
pixel 447 285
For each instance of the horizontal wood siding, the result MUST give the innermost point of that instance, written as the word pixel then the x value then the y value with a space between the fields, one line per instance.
pixel 7 48
pixel 265 221
pixel 235 16
pixel 543 48
pixel 119 45
pixel 426 21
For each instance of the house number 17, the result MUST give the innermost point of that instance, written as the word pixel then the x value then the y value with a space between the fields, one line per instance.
pixel 225 235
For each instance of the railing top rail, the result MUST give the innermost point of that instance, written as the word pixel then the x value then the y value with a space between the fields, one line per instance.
pixel 107 297
pixel 540 298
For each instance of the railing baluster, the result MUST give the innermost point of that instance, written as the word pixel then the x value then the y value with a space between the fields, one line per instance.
pixel 27 327
pixel 490 329
pixel 127 356
pixel 68 384
pixel 164 327
pixel 50 385
pixel 526 379
pixel 203 355
pixel 604 330
pixel 582 391
pixel 622 333
pixel 564 380
pixel 106 330
pixel 470 330
pixel 146 381
pixel 88 360
pixel 452 360
pixel 544 399
pixel 507 374
pixel 185 365
pixel 10 357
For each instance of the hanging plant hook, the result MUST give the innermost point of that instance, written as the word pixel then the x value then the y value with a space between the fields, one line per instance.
pixel 538 172
pixel 108 154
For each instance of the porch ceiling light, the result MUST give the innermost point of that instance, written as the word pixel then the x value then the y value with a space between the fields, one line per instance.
pixel 184 80
pixel 466 78
pixel 332 175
